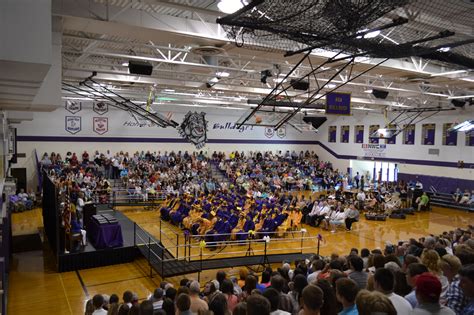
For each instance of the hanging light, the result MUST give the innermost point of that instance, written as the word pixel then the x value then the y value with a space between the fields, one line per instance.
pixel 231 6
pixel 372 34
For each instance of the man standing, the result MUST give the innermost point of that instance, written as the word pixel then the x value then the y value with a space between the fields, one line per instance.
pixel 357 180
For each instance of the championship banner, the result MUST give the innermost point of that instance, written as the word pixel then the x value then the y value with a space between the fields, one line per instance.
pixel 449 137
pixel 332 134
pixel 373 129
pixel 338 103
pixel 345 134
pixel 100 125
pixel 359 133
pixel 428 134
pixel 470 138
pixel 392 139
pixel 409 134
pixel 374 150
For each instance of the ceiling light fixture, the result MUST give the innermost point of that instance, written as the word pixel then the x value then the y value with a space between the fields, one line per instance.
pixel 231 6
pixel 444 49
pixel 449 72
pixel 222 74
pixel 278 80
pixel 460 96
pixel 372 34
pixel 125 64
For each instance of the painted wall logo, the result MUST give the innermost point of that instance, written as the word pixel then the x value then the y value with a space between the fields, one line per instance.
pixel 73 106
pixel 269 132
pixel 231 126
pixel 281 132
pixel 101 125
pixel 139 124
pixel 194 128
pixel 73 124
pixel 100 107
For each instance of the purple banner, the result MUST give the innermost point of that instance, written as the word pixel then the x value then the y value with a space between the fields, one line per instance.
pixel 359 134
pixel 393 139
pixel 332 133
pixel 338 103
pixel 409 134
pixel 372 130
pixel 470 138
pixel 345 134
pixel 428 134
pixel 449 137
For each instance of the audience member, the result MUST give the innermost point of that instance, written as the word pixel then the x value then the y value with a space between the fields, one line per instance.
pixel 428 291
pixel 258 305
pixel 384 282
pixel 98 302
pixel 183 303
pixel 370 303
pixel 413 271
pixel 312 300
pixel 197 303
pixel 467 284
pixel 346 292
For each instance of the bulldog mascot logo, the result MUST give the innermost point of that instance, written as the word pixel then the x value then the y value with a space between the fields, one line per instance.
pixel 194 128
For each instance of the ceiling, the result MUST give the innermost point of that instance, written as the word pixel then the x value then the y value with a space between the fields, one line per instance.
pixel 188 50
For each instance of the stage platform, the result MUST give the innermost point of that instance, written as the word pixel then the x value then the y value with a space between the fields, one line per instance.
pixel 89 257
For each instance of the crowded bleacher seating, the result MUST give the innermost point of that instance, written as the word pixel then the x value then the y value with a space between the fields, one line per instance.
pixel 430 275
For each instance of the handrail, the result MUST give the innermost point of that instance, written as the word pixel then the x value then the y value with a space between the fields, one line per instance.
pixel 249 233
pixel 245 242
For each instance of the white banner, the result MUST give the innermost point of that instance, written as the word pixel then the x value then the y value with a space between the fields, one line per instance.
pixel 374 150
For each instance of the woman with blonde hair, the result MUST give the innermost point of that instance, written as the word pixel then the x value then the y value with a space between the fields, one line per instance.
pixel 430 258
pixel 374 302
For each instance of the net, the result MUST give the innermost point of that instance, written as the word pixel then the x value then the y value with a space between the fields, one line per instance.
pixel 435 29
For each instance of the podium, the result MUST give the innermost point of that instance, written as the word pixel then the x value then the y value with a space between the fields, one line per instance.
pixel 88 211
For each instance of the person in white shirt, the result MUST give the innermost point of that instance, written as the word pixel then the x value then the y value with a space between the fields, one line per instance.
pixel 337 220
pixel 384 282
pixel 327 218
pixel 322 214
pixel 80 205
pixel 98 302
pixel 273 296
pixel 314 213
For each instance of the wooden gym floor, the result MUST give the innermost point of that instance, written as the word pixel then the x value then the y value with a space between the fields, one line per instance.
pixel 35 288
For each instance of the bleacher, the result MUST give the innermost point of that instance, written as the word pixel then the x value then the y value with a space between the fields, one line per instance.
pixel 446 200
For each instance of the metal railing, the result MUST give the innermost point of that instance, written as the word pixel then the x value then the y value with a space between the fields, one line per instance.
pixel 124 197
pixel 185 245
pixel 150 249
pixel 194 250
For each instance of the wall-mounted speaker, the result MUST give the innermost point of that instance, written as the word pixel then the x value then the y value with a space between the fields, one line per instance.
pixel 316 122
pixel 458 103
pixel 380 93
pixel 299 85
pixel 140 67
